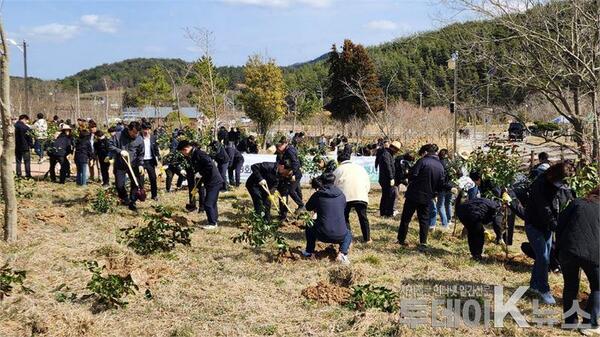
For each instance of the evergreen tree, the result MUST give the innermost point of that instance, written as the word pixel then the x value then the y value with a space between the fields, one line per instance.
pixel 155 90
pixel 352 68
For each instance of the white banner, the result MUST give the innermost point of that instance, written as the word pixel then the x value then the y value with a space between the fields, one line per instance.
pixel 250 159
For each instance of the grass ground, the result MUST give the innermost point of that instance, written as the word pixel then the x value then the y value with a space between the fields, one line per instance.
pixel 218 288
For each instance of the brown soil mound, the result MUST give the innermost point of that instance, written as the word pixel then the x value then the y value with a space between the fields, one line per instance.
pixel 52 216
pixel 327 293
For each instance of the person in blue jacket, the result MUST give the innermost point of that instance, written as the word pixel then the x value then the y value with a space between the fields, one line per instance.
pixel 205 169
pixel 329 203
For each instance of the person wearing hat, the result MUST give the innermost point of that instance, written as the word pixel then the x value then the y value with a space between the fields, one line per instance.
pixel 329 203
pixel 265 177
pixel 151 158
pixel 387 173
pixel 426 178
pixel 204 168
pixel 58 152
pixel 287 155
pixel 127 147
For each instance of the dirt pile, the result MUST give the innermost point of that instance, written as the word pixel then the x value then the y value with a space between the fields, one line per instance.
pixel 327 293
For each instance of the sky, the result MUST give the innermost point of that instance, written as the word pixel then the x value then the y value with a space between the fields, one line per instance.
pixel 64 37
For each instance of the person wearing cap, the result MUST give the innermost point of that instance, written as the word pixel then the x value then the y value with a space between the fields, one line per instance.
pixel 202 167
pixel 354 181
pixel 265 177
pixel 151 158
pixel 236 162
pixel 127 149
pixel 61 147
pixel 386 179
pixel 287 155
pixel 101 147
pixel 329 203
pixel 426 178
pixel 23 145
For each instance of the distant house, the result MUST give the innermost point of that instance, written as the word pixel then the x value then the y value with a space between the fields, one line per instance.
pixel 130 114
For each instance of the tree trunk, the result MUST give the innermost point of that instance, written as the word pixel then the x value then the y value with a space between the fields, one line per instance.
pixel 8 147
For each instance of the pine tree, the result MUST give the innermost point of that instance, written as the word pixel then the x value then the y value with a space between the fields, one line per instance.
pixel 155 90
pixel 352 67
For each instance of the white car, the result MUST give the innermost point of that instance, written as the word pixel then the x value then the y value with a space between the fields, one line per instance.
pixel 245 120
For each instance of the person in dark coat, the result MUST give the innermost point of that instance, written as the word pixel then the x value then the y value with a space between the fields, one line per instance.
pixel 222 135
pixel 265 176
pixel 402 165
pixel 444 197
pixel 251 145
pixel 426 178
pixel 328 202
pixel 58 152
pixel 204 168
pixel 236 163
pixel 232 137
pixel 23 145
pixel 83 154
pixel 549 194
pixel 287 155
pixel 127 146
pixel 542 165
pixel 387 172
pixel 578 245
pixel 220 156
pixel 102 149
pixel 151 158
pixel 382 146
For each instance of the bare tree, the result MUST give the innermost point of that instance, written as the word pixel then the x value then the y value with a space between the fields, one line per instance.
pixel 555 52
pixel 355 88
pixel 8 145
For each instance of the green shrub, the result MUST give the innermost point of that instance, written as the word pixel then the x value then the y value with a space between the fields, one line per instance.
pixel 160 234
pixel 500 165
pixel 368 296
pixel 104 202
pixel 586 178
pixel 109 290
pixel 9 279
pixel 258 231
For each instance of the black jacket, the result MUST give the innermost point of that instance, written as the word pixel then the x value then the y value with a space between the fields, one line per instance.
pixel 425 179
pixel 401 170
pixel 23 139
pixel 235 156
pixel 62 146
pixel 83 150
pixel 135 147
pixel 378 154
pixel 201 162
pixel 387 171
pixel 578 231
pixel 154 150
pixel 102 148
pixel 447 185
pixel 219 155
pixel 329 204
pixel 479 210
pixel 266 171
pixel 545 202
pixel 222 135
pixel 289 157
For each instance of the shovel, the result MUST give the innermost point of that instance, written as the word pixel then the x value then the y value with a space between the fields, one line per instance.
pixel 141 192
pixel 273 200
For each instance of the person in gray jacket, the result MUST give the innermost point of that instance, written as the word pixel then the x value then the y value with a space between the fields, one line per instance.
pixel 128 146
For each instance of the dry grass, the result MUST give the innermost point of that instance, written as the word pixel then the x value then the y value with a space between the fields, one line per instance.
pixel 217 288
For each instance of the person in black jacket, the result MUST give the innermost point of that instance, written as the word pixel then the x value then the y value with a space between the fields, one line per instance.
pixel 549 194
pixel 23 145
pixel 426 178
pixel 287 155
pixel 204 168
pixel 444 197
pixel 101 147
pixel 222 135
pixel 250 145
pixel 220 156
pixel 83 153
pixel 387 172
pixel 330 226
pixel 58 152
pixel 265 176
pixel 151 158
pixel 578 245
pixel 127 146
pixel 402 165
pixel 236 162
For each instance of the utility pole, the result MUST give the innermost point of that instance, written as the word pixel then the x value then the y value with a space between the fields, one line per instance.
pixel 77 107
pixel 25 77
pixel 453 65
pixel 421 100
pixel 106 102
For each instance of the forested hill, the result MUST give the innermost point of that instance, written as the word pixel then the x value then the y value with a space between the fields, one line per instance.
pixel 415 64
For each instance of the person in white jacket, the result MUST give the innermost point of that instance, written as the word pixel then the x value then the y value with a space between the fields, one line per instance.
pixel 354 181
